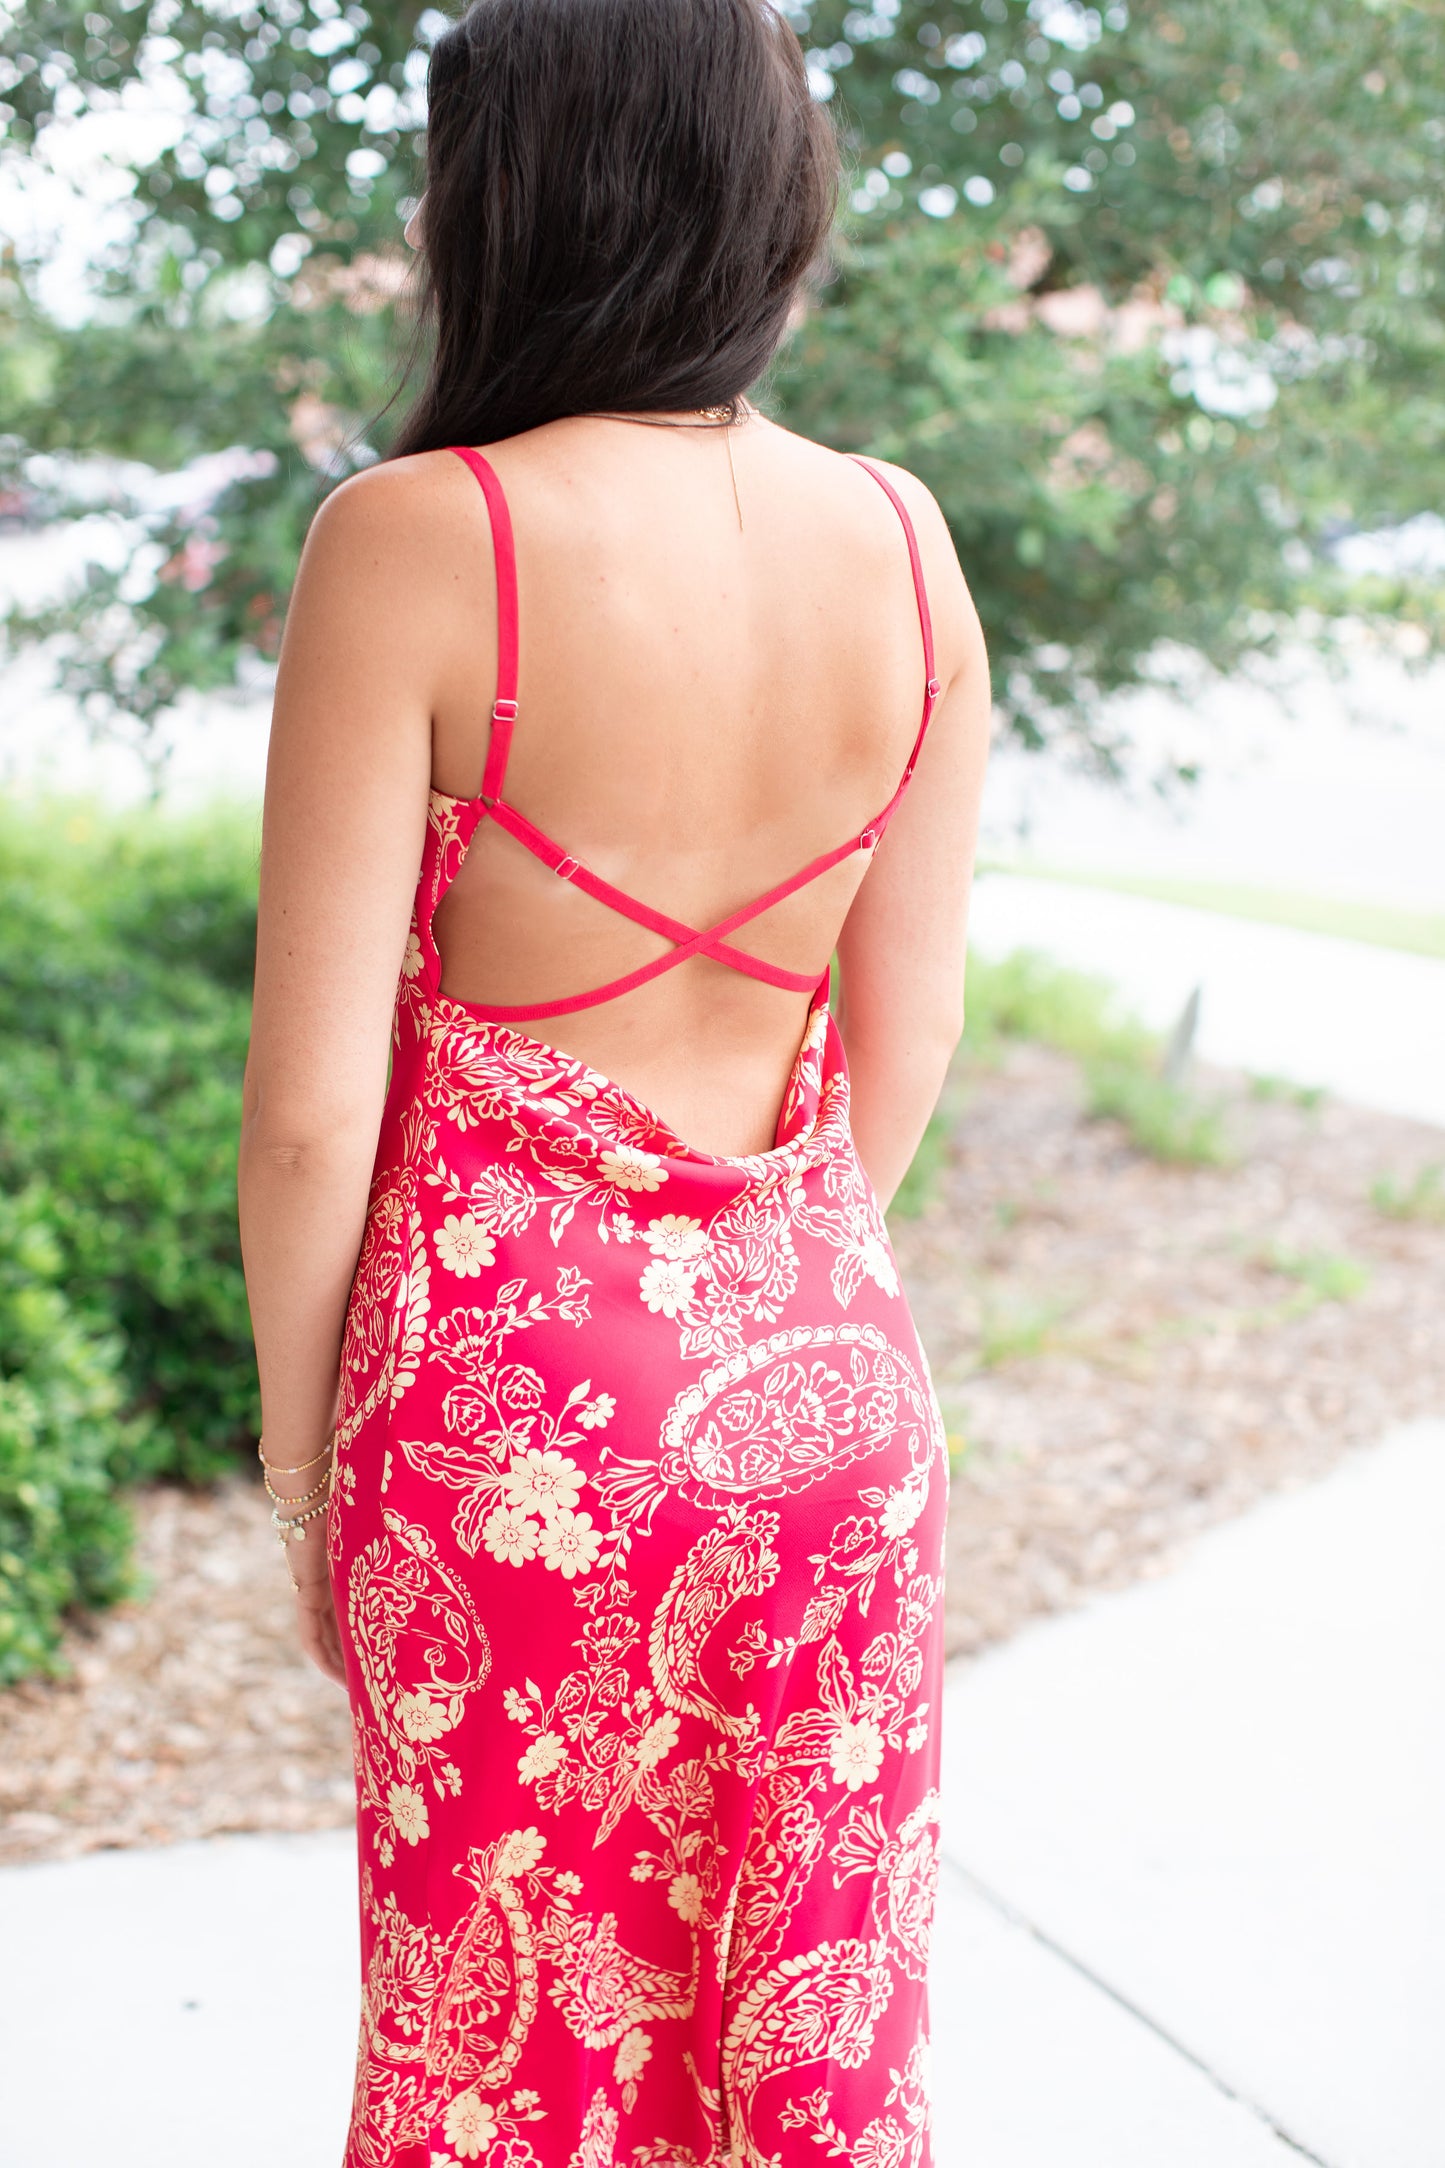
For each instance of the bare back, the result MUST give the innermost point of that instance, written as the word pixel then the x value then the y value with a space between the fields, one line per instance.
pixel 701 711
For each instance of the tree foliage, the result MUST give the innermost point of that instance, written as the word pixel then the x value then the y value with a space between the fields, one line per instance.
pixel 1150 296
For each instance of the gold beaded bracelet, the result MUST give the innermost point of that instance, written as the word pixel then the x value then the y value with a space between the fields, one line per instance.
pixel 276 1468
pixel 302 1498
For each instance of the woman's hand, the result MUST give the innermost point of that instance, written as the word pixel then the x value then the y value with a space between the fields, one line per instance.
pixel 316 1625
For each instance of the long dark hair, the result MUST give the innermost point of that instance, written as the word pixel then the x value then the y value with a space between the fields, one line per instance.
pixel 623 198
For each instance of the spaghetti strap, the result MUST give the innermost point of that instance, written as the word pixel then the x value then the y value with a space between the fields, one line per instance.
pixel 920 590
pixel 687 941
pixel 504 553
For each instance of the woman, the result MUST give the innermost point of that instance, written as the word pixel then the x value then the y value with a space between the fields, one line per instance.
pixel 605 1456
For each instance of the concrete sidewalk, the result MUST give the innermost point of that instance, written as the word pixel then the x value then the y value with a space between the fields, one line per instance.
pixel 1202 1819
pixel 1367 1023
pixel 1192 1911
pixel 189 2007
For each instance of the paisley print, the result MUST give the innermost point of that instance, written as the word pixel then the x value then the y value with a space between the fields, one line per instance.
pixel 637 1539
pixel 637 1544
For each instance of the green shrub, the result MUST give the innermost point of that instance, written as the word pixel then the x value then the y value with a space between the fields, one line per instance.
pixel 126 947
pixel 1422 1197
pixel 1264 1086
pixel 1323 1276
pixel 1166 1120
pixel 126 955
pixel 924 1169
pixel 1018 1328
pixel 1025 995
pixel 64 1537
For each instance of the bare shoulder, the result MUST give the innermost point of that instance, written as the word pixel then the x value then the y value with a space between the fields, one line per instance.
pixel 958 634
pixel 396 506
pixel 923 506
pixel 956 620
pixel 388 552
pixel 935 541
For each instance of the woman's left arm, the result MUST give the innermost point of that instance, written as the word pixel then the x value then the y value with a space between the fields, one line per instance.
pixel 347 775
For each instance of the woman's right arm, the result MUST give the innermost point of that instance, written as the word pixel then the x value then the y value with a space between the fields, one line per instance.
pixel 902 948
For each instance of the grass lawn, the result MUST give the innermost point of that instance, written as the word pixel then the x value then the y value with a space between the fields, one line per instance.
pixel 1422 933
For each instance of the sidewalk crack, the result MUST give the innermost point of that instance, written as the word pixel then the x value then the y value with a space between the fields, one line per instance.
pixel 1010 1912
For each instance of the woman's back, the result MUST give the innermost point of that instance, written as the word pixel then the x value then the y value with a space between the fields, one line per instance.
pixel 712 692
pixel 563 1177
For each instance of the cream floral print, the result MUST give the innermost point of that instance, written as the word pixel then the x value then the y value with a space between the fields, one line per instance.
pixel 570 1543
pixel 634 2052
pixel 463 1245
pixel 543 1757
pixel 508 1534
pixel 676 1237
pixel 685 1895
pixel 422 1718
pixel 470 2126
pixel 856 1752
pixel 407 1808
pixel 545 1483
pixel 637 1540
pixel 667 1285
pixel 628 1168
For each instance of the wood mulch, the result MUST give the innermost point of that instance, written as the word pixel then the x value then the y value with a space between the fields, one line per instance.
pixel 1125 1352
pixel 1162 1345
pixel 187 1712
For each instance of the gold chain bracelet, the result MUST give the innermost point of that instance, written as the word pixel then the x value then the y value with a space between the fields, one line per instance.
pixel 275 1467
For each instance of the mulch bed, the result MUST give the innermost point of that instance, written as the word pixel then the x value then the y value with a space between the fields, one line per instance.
pixel 1169 1372
pixel 1125 1353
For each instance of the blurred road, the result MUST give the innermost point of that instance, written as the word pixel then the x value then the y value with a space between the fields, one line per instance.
pixel 1334 789
pixel 1367 1023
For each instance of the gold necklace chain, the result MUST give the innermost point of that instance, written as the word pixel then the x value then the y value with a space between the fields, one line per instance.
pixel 713 417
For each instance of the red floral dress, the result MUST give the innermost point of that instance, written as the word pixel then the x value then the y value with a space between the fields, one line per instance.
pixel 637 1548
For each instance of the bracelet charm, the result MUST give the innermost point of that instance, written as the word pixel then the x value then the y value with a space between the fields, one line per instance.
pixel 292 1525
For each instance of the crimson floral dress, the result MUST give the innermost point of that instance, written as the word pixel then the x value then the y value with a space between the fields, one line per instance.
pixel 637 1548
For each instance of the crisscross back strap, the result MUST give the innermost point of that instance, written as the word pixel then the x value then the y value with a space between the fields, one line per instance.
pixel 686 940
pixel 504 554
